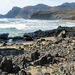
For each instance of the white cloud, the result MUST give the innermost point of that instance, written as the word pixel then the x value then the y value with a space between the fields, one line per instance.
pixel 5 1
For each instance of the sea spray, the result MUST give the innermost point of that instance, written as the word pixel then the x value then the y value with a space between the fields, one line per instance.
pixel 18 26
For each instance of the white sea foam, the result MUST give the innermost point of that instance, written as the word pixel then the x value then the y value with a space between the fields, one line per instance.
pixel 20 26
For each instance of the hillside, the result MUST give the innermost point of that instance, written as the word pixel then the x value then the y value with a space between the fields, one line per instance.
pixel 26 12
pixel 13 13
pixel 55 15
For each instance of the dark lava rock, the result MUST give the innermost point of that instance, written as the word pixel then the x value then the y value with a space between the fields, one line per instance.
pixel 0 59
pixel 38 31
pixel 15 69
pixel 61 33
pixel 22 72
pixel 10 51
pixel 5 43
pixel 4 36
pixel 17 38
pixel 42 61
pixel 27 38
pixel 42 39
pixel 45 60
pixel 6 65
pixel 35 55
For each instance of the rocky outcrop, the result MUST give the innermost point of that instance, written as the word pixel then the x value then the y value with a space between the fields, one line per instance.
pixel 35 55
pixel 59 32
pixel 54 14
pixel 6 65
pixel 4 36
pixel 27 38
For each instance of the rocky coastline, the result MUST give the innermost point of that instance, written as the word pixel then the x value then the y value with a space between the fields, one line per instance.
pixel 51 52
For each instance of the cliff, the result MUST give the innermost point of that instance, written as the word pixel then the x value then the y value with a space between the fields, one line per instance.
pixel 55 15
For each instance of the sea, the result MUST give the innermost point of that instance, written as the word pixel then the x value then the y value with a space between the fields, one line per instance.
pixel 19 26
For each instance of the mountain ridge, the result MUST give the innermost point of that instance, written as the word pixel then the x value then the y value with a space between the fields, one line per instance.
pixel 26 12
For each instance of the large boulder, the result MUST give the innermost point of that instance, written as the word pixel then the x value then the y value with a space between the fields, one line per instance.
pixel 42 61
pixel 46 59
pixel 60 33
pixel 15 69
pixel 4 36
pixel 16 38
pixel 6 65
pixel 27 38
pixel 35 55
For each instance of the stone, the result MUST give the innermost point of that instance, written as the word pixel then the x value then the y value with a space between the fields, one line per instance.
pixel 61 33
pixel 16 38
pixel 6 65
pixel 22 72
pixel 4 36
pixel 15 69
pixel 27 38
pixel 42 39
pixel 35 55
pixel 42 61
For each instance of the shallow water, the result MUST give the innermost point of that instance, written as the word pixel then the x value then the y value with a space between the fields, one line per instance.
pixel 16 27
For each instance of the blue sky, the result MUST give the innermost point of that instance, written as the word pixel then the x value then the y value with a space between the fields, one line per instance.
pixel 6 5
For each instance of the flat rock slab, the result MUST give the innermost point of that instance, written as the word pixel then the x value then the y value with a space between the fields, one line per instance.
pixel 10 51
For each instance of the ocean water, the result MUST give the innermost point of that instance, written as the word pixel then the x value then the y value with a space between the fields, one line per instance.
pixel 17 27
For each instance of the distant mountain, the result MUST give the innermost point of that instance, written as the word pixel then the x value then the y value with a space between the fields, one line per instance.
pixel 65 6
pixel 26 12
pixel 64 11
pixel 13 13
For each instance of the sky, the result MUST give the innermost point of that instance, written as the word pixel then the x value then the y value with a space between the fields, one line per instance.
pixel 6 5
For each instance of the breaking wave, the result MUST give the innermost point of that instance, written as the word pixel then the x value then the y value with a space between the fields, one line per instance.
pixel 20 26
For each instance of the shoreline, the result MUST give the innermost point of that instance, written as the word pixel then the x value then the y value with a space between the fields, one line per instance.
pixel 51 47
pixel 66 20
